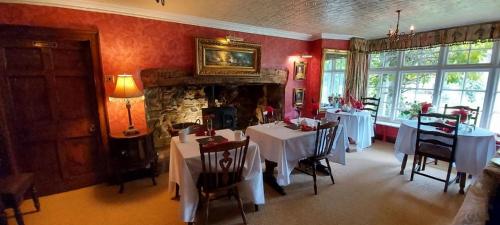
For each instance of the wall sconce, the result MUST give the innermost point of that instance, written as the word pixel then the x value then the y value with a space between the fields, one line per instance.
pixel 306 56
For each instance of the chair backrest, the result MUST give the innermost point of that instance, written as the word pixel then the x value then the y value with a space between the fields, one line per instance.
pixel 325 136
pixel 474 113
pixel 371 104
pixel 222 164
pixel 443 134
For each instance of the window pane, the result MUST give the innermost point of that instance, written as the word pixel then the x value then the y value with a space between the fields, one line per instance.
pixel 426 80
pixel 476 80
pixel 391 59
pixel 326 87
pixel 418 80
pixel 453 80
pixel 473 99
pixel 470 53
pixel 340 63
pixel 496 107
pixel 375 60
pixel 421 57
pixel 328 65
pixel 384 60
pixel 451 98
pixel 458 57
pixel 409 80
pixel 382 86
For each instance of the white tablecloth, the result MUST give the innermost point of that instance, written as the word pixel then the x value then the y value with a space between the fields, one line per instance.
pixel 358 126
pixel 473 152
pixel 185 167
pixel 286 146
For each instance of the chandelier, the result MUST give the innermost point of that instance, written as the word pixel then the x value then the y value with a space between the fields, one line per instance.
pixel 395 36
pixel 161 1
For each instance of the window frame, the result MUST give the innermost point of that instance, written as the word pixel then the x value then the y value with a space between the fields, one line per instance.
pixel 493 69
pixel 333 71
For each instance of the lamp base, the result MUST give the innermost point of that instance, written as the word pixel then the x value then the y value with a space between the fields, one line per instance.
pixel 130 131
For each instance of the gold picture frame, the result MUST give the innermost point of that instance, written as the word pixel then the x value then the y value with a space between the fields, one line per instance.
pixel 299 71
pixel 223 58
pixel 298 96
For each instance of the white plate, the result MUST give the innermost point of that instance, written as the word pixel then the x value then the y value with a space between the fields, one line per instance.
pixel 496 161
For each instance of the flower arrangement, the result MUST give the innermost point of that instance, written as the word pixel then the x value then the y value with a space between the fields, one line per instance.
pixel 464 114
pixel 425 107
pixel 357 104
pixel 269 111
pixel 415 108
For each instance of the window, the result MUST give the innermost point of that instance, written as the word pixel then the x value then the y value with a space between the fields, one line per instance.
pixel 495 117
pixel 382 85
pixel 421 57
pixel 384 60
pixel 415 87
pixel 453 75
pixel 464 88
pixel 333 79
pixel 470 53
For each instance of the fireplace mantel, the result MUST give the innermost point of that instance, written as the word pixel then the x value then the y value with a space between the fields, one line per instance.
pixel 171 77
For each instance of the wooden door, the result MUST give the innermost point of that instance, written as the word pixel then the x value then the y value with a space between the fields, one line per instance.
pixel 53 114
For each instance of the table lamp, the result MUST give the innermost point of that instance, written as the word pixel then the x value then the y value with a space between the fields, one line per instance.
pixel 126 90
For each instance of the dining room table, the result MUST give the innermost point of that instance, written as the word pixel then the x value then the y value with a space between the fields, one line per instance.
pixel 475 147
pixel 358 125
pixel 283 147
pixel 186 166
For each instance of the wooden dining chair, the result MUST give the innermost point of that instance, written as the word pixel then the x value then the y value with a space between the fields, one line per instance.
pixel 372 105
pixel 12 191
pixel 222 168
pixel 325 137
pixel 438 140
pixel 474 112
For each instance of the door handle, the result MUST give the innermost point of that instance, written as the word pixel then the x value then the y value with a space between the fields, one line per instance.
pixel 92 128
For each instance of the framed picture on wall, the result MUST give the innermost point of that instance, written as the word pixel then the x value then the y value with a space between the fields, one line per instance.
pixel 299 70
pixel 219 58
pixel 298 96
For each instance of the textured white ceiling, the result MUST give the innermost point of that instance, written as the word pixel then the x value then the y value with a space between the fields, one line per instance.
pixel 362 18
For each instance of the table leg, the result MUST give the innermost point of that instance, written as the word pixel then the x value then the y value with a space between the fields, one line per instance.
pixel 463 178
pixel 177 196
pixel 403 165
pixel 270 179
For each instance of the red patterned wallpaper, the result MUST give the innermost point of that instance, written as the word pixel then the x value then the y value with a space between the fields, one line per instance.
pixel 130 44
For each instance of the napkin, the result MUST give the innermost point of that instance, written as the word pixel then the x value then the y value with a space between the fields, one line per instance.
pixel 445 129
pixel 306 128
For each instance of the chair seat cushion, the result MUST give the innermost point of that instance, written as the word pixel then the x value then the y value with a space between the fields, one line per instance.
pixel 439 152
pixel 16 184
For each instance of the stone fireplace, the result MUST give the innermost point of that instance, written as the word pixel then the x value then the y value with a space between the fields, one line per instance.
pixel 174 97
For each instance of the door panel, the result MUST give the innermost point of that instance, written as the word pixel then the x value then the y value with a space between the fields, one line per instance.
pixel 53 110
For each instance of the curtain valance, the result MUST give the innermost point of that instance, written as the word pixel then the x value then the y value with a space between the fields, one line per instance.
pixel 455 35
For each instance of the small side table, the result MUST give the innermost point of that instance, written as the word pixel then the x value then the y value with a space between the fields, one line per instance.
pixel 132 154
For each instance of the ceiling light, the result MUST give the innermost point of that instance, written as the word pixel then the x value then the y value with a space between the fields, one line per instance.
pixel 395 36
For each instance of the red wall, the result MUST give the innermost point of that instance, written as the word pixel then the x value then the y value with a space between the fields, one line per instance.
pixel 130 44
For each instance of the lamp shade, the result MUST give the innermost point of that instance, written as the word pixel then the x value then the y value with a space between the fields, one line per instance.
pixel 126 87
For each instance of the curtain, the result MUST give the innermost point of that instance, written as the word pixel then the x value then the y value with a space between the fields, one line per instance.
pixel 455 35
pixel 357 68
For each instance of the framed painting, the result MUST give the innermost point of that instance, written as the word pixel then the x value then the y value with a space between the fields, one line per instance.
pixel 300 70
pixel 222 58
pixel 298 96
